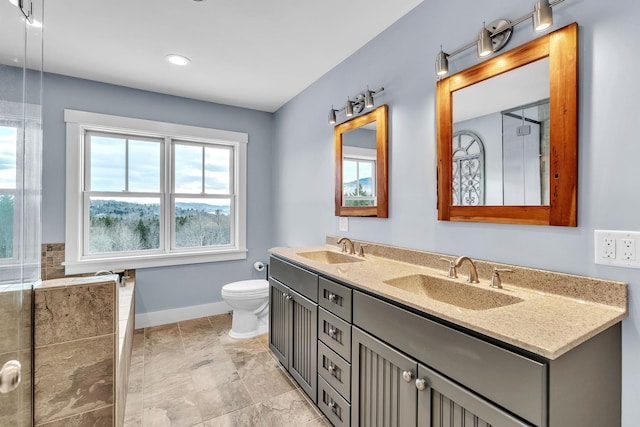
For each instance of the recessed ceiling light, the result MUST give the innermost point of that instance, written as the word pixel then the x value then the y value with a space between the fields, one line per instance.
pixel 178 59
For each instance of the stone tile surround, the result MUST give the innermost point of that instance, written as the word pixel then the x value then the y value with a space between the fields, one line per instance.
pixel 75 337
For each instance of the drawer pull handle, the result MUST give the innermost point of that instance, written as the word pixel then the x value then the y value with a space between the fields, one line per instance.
pixel 331 368
pixel 332 332
pixel 407 376
pixel 332 297
pixel 421 384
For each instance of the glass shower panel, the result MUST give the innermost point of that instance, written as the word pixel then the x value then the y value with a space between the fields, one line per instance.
pixel 20 196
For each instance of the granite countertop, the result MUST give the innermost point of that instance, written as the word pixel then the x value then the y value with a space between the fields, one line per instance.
pixel 544 323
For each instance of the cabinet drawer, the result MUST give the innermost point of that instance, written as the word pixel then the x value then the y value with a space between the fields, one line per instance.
pixel 336 409
pixel 335 333
pixel 335 370
pixel 298 279
pixel 335 298
pixel 504 377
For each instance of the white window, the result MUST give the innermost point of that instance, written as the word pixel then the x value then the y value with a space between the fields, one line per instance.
pixel 142 193
pixel 358 176
pixel 9 171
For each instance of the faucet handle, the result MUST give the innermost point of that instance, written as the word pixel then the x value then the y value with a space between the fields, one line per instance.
pixel 496 281
pixel 361 251
pixel 453 273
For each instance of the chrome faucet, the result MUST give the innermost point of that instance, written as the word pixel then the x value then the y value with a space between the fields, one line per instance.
pixel 473 273
pixel 344 241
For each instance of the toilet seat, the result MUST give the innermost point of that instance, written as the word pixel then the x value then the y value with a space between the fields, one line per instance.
pixel 246 289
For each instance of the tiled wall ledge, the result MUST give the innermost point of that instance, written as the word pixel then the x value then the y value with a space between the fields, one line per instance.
pixel 600 291
pixel 81 350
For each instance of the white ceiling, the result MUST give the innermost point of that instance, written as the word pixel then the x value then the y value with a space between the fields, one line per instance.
pixel 256 54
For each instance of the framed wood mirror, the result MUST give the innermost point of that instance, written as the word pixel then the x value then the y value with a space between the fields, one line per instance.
pixel 361 165
pixel 555 140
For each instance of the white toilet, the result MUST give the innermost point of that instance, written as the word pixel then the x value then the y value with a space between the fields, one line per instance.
pixel 249 300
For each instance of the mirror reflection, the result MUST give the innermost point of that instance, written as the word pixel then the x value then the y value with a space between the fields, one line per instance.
pixel 501 139
pixel 360 149
pixel 552 62
pixel 359 166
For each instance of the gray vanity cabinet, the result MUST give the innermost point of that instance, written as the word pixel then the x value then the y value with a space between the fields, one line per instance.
pixel 387 392
pixel 383 391
pixel 293 322
pixel 443 403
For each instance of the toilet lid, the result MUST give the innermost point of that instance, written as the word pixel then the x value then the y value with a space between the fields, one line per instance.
pixel 247 287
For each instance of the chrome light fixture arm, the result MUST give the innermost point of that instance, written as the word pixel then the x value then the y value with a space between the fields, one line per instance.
pixel 500 33
pixel 355 104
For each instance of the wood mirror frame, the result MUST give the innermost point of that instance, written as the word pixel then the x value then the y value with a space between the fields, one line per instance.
pixel 561 46
pixel 379 115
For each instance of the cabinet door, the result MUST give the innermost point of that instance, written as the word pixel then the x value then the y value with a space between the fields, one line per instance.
pixel 279 323
pixel 443 403
pixel 383 390
pixel 303 359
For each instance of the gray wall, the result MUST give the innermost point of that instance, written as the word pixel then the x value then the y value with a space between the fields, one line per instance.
pixel 402 60
pixel 167 287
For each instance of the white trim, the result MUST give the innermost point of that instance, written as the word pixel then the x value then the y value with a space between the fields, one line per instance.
pixel 142 261
pixel 78 122
pixel 174 130
pixel 359 153
pixel 164 317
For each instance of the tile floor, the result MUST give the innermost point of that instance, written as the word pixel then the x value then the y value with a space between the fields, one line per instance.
pixel 192 374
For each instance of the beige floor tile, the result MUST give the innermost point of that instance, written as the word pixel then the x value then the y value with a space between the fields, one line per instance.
pixel 289 409
pixel 267 385
pixel 249 416
pixel 254 364
pixel 192 374
pixel 221 323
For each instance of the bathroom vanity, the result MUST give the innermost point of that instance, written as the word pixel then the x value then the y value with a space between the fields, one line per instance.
pixel 388 339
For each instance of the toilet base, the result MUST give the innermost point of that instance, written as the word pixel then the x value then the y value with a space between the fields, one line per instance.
pixel 245 325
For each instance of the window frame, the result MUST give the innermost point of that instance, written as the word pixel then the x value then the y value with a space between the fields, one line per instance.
pixel 11 121
pixel 77 261
pixel 361 155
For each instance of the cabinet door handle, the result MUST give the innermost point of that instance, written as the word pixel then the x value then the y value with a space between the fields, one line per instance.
pixel 288 296
pixel 407 376
pixel 421 384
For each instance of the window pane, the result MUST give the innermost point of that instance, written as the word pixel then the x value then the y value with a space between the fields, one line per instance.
pixel 144 166
pixel 202 222
pixel 349 177
pixel 6 226
pixel 119 224
pixel 8 144
pixel 216 172
pixel 107 163
pixel 188 169
pixel 365 179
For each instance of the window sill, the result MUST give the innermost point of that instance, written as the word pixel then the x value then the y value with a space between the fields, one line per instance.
pixel 149 261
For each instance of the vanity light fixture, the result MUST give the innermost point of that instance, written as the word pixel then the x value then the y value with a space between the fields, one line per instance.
pixel 176 59
pixel 485 45
pixel 495 36
pixel 356 105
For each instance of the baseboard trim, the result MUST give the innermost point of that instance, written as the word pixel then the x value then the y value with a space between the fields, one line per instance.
pixel 156 318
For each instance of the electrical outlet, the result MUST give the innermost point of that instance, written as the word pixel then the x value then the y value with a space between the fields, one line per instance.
pixel 343 223
pixel 628 249
pixel 616 248
pixel 609 247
